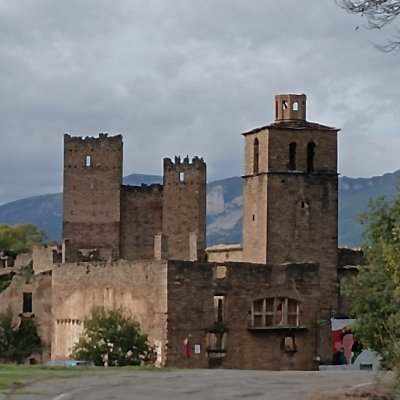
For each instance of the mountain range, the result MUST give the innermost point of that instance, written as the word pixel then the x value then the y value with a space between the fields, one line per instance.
pixel 224 207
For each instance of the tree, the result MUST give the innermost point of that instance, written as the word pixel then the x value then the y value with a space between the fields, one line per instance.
pixel 375 291
pixel 20 238
pixel 110 339
pixel 18 343
pixel 378 13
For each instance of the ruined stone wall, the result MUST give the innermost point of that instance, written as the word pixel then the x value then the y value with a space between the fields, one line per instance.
pixel 92 185
pixel 141 220
pixel 40 287
pixel 43 258
pixel 191 314
pixel 23 260
pixel 139 288
pixel 225 253
pixel 184 206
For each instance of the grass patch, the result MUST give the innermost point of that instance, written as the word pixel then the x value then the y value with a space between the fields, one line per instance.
pixel 378 391
pixel 15 375
pixel 12 375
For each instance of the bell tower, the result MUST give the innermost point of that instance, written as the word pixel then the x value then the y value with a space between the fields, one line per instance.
pixel 291 194
pixel 290 107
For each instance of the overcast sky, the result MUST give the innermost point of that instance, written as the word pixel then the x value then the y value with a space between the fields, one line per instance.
pixel 185 77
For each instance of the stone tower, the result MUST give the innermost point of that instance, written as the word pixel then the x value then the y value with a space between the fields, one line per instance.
pixel 291 195
pixel 184 208
pixel 92 193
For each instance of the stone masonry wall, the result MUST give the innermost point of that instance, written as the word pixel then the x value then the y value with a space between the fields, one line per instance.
pixel 290 211
pixel 92 182
pixel 325 160
pixel 44 257
pixel 141 219
pixel 191 314
pixel 40 287
pixel 139 288
pixel 184 206
pixel 225 253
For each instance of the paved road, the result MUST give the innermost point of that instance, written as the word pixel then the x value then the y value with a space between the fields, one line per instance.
pixel 193 384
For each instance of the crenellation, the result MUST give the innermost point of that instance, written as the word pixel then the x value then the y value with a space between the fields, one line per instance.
pixel 197 162
pixel 143 188
pixel 102 138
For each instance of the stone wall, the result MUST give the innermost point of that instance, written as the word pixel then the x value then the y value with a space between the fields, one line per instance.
pixel 192 288
pixel 139 288
pixel 141 220
pixel 43 257
pixel 291 203
pixel 184 206
pixel 225 253
pixel 121 221
pixel 23 260
pixel 39 285
pixel 92 185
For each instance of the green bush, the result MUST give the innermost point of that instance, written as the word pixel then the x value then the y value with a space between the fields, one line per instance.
pixel 18 343
pixel 110 339
pixel 20 238
pixel 375 291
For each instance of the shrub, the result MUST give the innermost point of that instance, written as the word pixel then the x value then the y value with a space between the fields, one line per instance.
pixel 110 339
pixel 18 343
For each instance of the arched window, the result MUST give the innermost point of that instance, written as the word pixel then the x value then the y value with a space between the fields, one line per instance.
pixel 310 156
pixel 275 311
pixel 295 106
pixel 256 156
pixel 292 156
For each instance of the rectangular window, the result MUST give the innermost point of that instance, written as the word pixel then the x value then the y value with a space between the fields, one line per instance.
pixel 278 311
pixel 88 161
pixel 27 302
pixel 219 308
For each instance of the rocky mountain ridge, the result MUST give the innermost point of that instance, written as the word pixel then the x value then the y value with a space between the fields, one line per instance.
pixel 224 207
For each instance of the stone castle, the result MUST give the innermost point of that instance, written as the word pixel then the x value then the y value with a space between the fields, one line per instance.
pixel 122 221
pixel 265 304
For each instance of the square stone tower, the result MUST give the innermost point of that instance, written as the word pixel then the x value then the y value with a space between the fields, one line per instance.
pixel 291 196
pixel 123 221
pixel 92 193
pixel 184 208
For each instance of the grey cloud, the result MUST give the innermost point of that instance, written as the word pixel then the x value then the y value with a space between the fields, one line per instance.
pixel 183 77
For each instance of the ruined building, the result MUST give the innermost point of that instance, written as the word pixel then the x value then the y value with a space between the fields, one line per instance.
pixel 265 304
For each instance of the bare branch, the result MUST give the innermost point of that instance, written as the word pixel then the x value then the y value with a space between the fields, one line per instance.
pixel 378 14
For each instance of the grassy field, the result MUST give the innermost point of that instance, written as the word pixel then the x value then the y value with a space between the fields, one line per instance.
pixel 14 375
